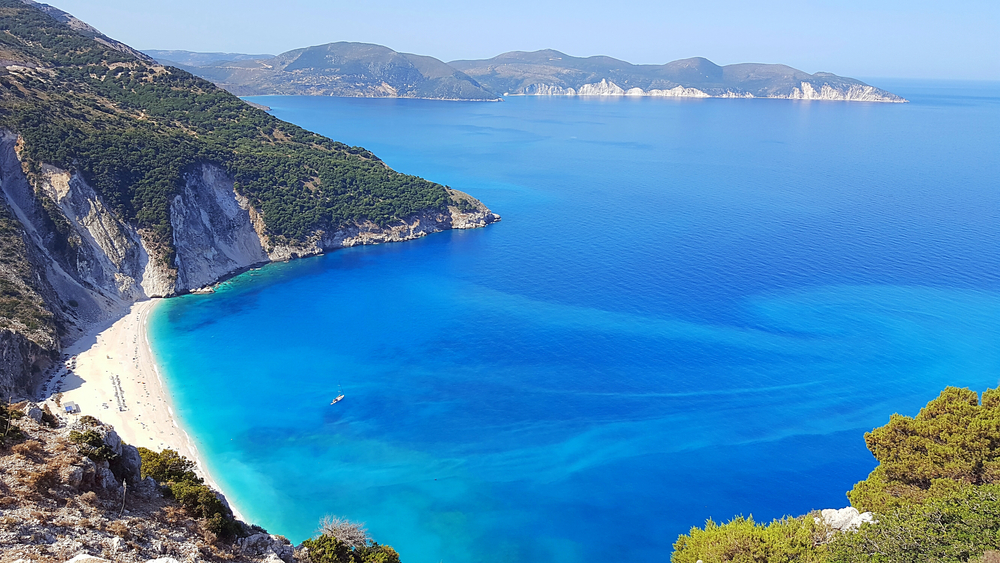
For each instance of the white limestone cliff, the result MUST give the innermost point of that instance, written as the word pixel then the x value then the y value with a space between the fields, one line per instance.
pixel 856 93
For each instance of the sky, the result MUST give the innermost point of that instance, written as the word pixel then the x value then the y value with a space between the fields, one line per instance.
pixel 861 38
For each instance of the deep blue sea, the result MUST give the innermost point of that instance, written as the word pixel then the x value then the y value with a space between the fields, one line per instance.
pixel 692 309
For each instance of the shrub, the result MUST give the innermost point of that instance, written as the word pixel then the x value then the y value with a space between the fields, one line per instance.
pixel 9 432
pixel 742 540
pixel 90 498
pixel 92 445
pixel 42 481
pixel 167 466
pixel 197 499
pixel 959 527
pixel 48 418
pixel 223 527
pixel 88 420
pixel 176 472
pixel 120 529
pixel 342 541
pixel 953 440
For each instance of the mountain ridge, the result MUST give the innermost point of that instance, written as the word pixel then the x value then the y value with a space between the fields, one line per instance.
pixel 343 69
pixel 353 70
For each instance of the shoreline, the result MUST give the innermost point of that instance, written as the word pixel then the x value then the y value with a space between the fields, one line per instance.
pixel 115 378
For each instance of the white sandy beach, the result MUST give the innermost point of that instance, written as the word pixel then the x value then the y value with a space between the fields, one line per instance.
pixel 115 379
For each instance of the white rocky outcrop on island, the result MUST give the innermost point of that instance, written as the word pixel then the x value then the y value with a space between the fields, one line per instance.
pixel 602 88
pixel 855 93
pixel 805 91
pixel 676 92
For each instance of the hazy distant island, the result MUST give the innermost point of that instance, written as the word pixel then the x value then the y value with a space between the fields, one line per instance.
pixel 366 70
pixel 335 69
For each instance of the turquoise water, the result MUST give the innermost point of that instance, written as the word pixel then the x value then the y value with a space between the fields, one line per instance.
pixel 692 309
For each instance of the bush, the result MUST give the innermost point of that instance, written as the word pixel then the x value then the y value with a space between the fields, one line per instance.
pixel 88 420
pixel 176 472
pixel 741 540
pixel 92 445
pixel 167 466
pixel 9 432
pixel 959 527
pixel 42 481
pixel 342 541
pixel 954 440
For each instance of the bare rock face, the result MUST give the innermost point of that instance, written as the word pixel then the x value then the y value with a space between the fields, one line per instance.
pixel 845 519
pixel 213 235
pixel 267 546
pixel 18 355
pixel 32 411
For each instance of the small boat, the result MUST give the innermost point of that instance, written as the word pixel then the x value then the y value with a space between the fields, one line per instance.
pixel 339 397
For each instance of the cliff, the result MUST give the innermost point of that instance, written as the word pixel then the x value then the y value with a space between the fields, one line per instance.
pixel 123 180
pixel 107 264
pixel 551 73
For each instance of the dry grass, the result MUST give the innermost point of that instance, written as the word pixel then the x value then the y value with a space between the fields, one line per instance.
pixel 30 450
pixel 42 481
pixel 990 557
pixel 119 529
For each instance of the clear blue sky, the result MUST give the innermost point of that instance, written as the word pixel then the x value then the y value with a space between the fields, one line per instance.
pixel 866 38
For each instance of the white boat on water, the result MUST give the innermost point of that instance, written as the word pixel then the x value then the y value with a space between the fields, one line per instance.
pixel 339 397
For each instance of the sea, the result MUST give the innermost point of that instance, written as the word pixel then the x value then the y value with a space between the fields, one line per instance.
pixel 692 309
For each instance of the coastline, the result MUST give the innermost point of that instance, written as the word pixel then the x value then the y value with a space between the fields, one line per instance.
pixel 115 378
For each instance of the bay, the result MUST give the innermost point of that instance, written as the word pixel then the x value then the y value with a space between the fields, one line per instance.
pixel 692 309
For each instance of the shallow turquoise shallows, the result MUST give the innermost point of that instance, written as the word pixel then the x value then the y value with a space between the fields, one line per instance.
pixel 691 309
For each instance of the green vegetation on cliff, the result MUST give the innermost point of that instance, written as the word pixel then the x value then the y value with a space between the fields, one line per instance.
pixel 935 496
pixel 134 129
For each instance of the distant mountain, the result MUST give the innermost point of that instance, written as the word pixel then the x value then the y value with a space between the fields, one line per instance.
pixel 337 69
pixel 551 73
pixel 191 58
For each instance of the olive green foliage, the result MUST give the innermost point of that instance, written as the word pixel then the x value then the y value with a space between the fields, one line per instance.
pixel 741 540
pixel 328 549
pixel 175 473
pixel 953 440
pixel 92 445
pixel 135 129
pixel 167 466
pixel 957 528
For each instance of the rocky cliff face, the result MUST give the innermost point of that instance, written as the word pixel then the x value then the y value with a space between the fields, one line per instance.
pixel 213 235
pixel 57 504
pixel 805 91
pixel 93 265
